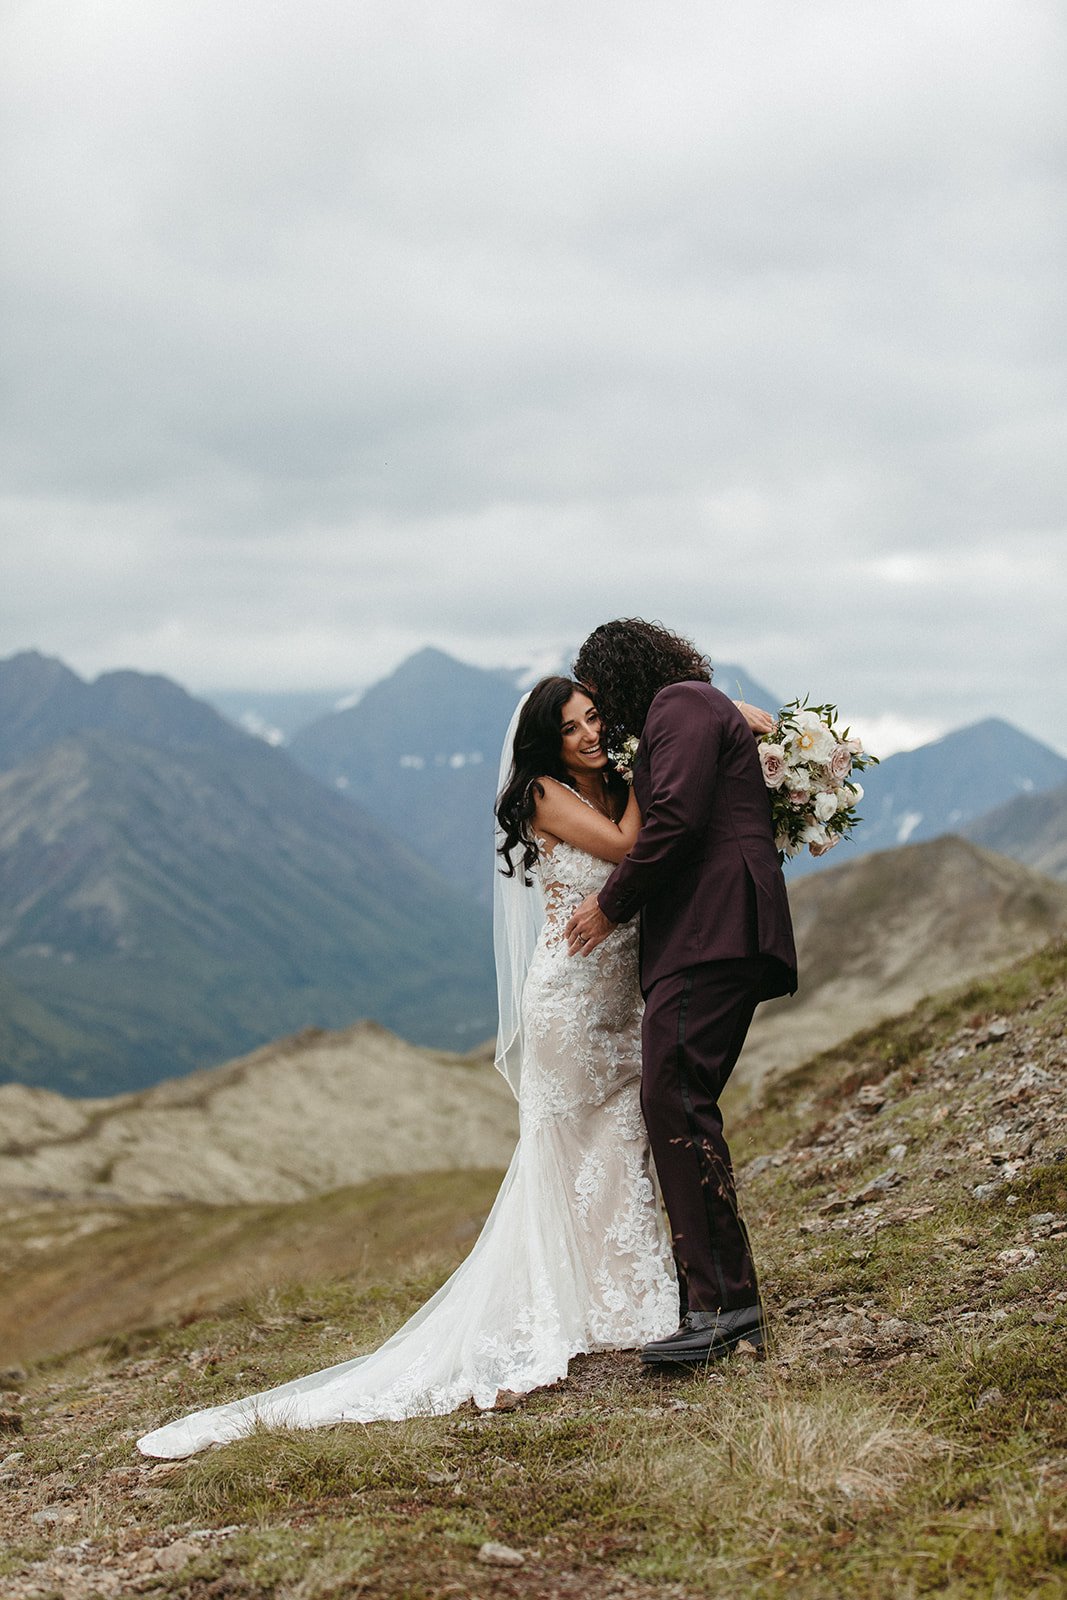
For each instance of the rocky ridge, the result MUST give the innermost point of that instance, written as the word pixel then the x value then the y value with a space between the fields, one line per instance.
pixel 298 1117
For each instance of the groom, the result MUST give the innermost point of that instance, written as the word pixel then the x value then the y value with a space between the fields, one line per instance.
pixel 716 939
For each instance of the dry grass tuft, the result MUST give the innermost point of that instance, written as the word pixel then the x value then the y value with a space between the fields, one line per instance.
pixel 775 1463
pixel 276 1469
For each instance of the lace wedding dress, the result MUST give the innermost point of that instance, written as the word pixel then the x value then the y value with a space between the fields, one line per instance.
pixel 575 1254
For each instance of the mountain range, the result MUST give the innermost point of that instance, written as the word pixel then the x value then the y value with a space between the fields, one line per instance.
pixel 944 787
pixel 1031 829
pixel 421 752
pixel 173 890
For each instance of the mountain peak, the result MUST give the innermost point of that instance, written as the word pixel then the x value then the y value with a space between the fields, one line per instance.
pixel 433 665
pixel 35 663
pixel 28 678
pixel 42 701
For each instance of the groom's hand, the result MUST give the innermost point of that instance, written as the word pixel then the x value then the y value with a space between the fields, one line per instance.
pixel 587 927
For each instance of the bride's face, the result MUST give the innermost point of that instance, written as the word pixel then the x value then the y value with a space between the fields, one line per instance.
pixel 582 750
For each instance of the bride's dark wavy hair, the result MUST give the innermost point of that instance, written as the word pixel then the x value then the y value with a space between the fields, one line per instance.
pixel 537 752
pixel 626 663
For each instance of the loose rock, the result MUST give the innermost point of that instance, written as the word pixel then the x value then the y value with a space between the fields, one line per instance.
pixel 500 1555
pixel 176 1555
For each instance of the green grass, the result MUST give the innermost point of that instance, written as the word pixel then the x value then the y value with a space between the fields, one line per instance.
pixel 920 1451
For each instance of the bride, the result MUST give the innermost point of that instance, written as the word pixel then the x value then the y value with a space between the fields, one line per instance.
pixel 575 1255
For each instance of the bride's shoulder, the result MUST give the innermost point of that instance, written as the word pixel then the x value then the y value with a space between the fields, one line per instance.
pixel 554 792
pixel 556 807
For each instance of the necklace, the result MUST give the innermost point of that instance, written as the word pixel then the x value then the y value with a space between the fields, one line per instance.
pixel 598 799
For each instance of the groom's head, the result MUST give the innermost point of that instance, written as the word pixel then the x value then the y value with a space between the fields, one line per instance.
pixel 625 664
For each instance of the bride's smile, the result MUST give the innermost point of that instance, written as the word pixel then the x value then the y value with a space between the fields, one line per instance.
pixel 581 750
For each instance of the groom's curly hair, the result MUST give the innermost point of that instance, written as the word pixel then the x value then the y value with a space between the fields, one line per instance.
pixel 625 664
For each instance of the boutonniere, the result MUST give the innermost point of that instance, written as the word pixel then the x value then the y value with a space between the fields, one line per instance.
pixel 624 757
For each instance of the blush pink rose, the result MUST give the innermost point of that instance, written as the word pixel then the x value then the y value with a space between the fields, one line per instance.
pixel 772 760
pixel 821 849
pixel 841 763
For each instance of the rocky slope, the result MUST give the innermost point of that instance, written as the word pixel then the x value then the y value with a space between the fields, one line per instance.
pixel 295 1118
pixel 907 1434
pixel 875 935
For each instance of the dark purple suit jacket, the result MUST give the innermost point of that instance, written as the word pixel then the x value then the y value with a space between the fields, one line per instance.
pixel 703 871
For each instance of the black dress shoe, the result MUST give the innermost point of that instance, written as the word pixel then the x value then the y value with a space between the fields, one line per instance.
pixel 706 1335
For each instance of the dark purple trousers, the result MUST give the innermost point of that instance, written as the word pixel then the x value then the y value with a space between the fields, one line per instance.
pixel 695 1025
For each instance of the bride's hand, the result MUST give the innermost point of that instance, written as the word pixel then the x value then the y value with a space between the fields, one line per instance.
pixel 759 721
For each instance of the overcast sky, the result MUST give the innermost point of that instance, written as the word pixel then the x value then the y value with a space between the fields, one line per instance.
pixel 334 329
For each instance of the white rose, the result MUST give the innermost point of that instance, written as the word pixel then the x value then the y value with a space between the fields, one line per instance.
pixel 825 806
pixel 815 833
pixel 844 797
pixel 857 792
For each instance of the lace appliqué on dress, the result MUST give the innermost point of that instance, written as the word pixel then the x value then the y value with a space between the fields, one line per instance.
pixel 575 1255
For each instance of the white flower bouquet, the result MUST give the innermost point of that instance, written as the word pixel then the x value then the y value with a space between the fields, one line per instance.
pixel 808 766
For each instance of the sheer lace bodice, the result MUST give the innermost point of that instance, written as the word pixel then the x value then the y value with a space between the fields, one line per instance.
pixel 575 1254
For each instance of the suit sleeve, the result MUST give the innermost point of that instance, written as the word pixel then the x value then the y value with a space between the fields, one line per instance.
pixel 683 738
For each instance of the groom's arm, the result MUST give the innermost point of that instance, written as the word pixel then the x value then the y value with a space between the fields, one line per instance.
pixel 683 740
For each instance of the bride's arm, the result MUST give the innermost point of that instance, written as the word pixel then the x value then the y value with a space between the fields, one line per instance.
pixel 560 814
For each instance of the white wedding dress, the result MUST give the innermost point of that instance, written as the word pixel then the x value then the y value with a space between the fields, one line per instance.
pixel 575 1255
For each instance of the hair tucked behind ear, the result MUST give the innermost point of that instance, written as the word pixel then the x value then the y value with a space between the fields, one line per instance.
pixel 537 753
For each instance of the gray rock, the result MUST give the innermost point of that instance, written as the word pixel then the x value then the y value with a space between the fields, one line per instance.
pixel 176 1555
pixel 877 1188
pixel 53 1514
pixel 500 1555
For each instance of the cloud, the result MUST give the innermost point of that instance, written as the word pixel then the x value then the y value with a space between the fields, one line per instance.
pixel 338 328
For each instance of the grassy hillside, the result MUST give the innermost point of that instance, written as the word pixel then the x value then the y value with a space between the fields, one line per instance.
pixel 907 1435
pixel 74 1275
